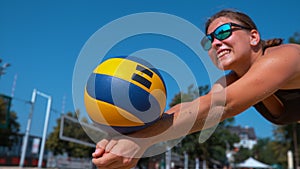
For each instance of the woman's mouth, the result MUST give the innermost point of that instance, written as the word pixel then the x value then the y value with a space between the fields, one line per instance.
pixel 223 53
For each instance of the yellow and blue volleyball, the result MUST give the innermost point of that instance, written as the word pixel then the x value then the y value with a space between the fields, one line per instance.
pixel 125 93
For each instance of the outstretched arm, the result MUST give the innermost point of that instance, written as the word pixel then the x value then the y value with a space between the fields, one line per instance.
pixel 180 120
pixel 275 70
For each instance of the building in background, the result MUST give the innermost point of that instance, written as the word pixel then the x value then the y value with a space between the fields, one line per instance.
pixel 247 136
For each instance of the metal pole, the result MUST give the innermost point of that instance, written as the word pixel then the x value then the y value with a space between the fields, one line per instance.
pixel 290 160
pixel 25 138
pixel 45 128
pixel 186 160
pixel 295 145
pixel 204 164
pixel 197 166
pixel 168 158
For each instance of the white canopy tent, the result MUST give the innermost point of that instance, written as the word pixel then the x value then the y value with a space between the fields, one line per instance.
pixel 252 163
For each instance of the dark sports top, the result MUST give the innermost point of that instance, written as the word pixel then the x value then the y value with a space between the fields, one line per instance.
pixel 291 103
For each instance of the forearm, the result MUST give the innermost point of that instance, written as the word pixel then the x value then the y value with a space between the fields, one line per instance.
pixel 181 120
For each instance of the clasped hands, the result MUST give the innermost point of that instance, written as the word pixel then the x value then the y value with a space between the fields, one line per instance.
pixel 119 153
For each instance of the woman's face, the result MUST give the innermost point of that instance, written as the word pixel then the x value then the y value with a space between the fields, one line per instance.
pixel 233 52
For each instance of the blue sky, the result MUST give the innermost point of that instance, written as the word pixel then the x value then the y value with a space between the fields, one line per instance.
pixel 42 41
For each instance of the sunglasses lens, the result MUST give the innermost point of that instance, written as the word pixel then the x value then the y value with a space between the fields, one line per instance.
pixel 223 32
pixel 206 42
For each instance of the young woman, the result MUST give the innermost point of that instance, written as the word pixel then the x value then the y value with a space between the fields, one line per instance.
pixel 264 74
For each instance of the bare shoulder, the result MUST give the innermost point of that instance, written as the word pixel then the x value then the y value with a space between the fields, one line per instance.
pixel 281 64
pixel 288 50
pixel 286 54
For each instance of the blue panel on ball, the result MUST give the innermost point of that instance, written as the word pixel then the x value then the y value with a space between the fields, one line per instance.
pixel 125 95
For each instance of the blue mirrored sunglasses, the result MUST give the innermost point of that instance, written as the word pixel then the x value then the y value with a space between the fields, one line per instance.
pixel 222 32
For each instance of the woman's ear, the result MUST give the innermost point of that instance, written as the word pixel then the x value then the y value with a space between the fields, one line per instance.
pixel 254 37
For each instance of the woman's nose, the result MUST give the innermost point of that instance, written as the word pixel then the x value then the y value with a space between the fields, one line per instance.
pixel 216 43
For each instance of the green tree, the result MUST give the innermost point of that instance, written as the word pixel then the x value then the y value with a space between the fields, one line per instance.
pixel 213 148
pixel 264 151
pixel 295 38
pixel 8 134
pixel 191 94
pixel 284 140
pixel 58 146
pixel 242 155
